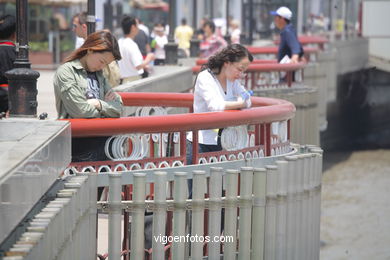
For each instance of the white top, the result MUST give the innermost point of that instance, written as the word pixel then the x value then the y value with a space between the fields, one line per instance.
pixel 131 58
pixel 79 42
pixel 160 43
pixel 144 28
pixel 209 96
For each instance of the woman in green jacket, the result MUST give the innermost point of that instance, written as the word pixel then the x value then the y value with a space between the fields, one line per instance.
pixel 81 91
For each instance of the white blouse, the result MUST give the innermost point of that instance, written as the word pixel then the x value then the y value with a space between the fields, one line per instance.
pixel 209 96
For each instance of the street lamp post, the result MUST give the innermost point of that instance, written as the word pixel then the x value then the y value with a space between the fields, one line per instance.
pixel 227 34
pixel 194 42
pixel 22 80
pixel 171 46
pixel 108 15
pixel 91 20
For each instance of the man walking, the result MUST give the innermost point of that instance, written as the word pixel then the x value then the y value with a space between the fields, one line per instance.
pixel 289 44
pixel 132 64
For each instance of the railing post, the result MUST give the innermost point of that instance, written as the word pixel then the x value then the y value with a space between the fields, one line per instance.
pixel 195 148
pixel 245 204
pixel 114 216
pixel 281 211
pixel 179 218
pixel 267 132
pixel 317 200
pixel 291 206
pixel 258 213
pixel 215 211
pixel 270 219
pixel 199 189
pixel 231 214
pixel 159 214
pixel 138 217
pixel 299 208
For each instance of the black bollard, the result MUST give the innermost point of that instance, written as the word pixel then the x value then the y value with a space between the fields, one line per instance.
pixel 194 47
pixel 22 81
pixel 171 53
pixel 171 47
pixel 22 92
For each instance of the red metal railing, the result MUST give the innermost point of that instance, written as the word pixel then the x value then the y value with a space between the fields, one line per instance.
pixel 259 118
pixel 264 112
pixel 255 50
pixel 262 73
pixel 320 41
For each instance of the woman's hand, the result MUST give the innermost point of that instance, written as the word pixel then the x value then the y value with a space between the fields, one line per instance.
pixel 110 96
pixel 239 103
pixel 95 102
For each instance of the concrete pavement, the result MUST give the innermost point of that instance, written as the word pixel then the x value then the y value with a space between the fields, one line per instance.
pixel 46 99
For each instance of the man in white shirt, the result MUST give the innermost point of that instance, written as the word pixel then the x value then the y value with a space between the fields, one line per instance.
pixel 79 27
pixel 132 64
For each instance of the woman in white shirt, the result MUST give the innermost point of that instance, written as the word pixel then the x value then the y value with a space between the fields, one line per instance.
pixel 218 88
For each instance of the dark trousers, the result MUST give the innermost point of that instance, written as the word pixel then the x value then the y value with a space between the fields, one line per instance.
pixel 3 100
pixel 89 149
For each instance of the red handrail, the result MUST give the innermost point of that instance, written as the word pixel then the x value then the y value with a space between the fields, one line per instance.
pixel 264 110
pixel 266 67
pixel 274 50
pixel 204 61
pixel 310 39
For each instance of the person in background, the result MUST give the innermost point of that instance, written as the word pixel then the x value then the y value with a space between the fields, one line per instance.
pixel 143 27
pixel 218 88
pixel 235 31
pixel 211 43
pixel 132 65
pixel 289 44
pixel 183 34
pixel 7 56
pixel 158 43
pixel 199 33
pixel 79 27
pixel 142 41
pixel 81 90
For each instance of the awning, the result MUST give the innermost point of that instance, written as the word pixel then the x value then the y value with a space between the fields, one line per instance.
pixel 50 2
pixel 150 4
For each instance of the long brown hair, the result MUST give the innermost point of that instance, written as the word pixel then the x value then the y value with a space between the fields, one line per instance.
pixel 100 41
pixel 231 53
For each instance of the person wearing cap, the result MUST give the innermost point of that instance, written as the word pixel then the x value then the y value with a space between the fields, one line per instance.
pixel 289 44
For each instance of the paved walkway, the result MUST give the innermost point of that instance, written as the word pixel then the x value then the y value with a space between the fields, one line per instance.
pixel 46 100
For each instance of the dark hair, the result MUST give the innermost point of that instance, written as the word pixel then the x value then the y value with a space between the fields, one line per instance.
pixel 183 21
pixel 100 41
pixel 285 19
pixel 127 22
pixel 231 53
pixel 82 17
pixel 211 24
pixel 7 26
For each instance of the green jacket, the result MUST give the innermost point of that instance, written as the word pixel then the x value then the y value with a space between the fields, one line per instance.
pixel 70 86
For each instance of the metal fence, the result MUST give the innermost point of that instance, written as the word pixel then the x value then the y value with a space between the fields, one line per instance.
pixel 268 210
pixel 265 208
